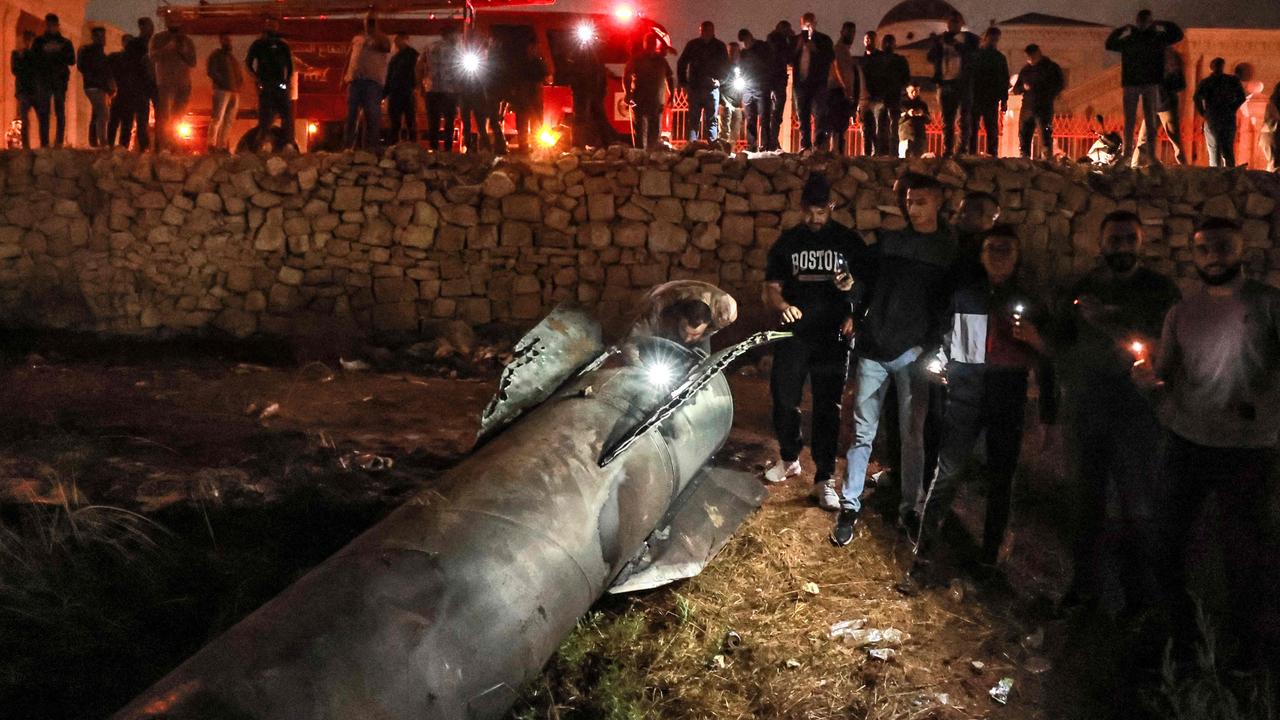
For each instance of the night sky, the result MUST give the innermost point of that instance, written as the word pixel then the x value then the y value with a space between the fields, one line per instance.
pixel 681 16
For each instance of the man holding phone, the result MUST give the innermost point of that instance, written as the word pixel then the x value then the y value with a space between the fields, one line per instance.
pixel 812 280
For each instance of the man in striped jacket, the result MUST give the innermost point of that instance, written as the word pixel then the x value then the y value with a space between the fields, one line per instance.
pixel 986 358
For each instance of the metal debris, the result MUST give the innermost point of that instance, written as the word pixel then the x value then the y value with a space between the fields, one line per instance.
pixel 365 461
pixel 1000 693
pixel 977 666
pixel 718 662
pixel 732 641
pixel 792 663
pixel 353 365
pixel 845 627
pixel 881 654
pixel 811 588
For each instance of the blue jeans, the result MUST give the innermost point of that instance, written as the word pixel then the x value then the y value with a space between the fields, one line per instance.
pixel 1220 141
pixel 704 119
pixel 365 96
pixel 913 396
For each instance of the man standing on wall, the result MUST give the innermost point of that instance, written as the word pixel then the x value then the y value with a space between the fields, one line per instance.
pixel 811 67
pixel 402 81
pixel 951 55
pixel 871 108
pixel 271 63
pixel 91 61
pixel 23 67
pixel 438 71
pixel 52 57
pixel 844 90
pixel 756 64
pixel 648 82
pixel 1039 83
pixel 906 310
pixel 1169 113
pixel 227 78
pixel 1111 429
pixel 990 91
pixel 1218 98
pixel 1142 47
pixel 365 75
pixel 704 62
pixel 813 273
pixel 174 54
pixel 782 42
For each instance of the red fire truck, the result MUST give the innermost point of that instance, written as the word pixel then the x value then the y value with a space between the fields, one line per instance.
pixel 319 32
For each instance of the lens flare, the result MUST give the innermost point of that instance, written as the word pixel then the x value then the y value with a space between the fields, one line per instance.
pixel 586 33
pixel 660 374
pixel 185 130
pixel 471 62
pixel 548 138
pixel 624 13
pixel 313 128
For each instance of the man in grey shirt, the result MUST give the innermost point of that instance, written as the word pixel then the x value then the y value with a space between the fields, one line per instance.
pixel 1216 375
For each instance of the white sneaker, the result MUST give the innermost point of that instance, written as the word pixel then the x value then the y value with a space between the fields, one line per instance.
pixel 826 495
pixel 781 471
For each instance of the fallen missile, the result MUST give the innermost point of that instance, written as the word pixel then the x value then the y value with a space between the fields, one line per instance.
pixel 591 474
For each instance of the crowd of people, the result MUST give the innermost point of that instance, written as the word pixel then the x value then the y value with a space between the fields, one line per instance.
pixel 1166 398
pixel 736 91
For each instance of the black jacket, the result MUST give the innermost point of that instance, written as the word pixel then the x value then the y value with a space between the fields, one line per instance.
pixel 1142 51
pixel 990 73
pixel 783 46
pixel 966 45
pixel 702 63
pixel 910 293
pixel 820 60
pixel 886 75
pixel 133 72
pixel 92 64
pixel 1218 97
pixel 271 62
pixel 1045 81
pixel 401 73
pixel 756 64
pixel 53 56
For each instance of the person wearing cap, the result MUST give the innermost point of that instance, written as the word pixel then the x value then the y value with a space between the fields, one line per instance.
pixel 813 277
pixel 904 320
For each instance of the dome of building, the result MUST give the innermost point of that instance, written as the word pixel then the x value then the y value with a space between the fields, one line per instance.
pixel 913 20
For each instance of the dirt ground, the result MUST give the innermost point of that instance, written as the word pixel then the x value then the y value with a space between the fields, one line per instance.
pixel 245 474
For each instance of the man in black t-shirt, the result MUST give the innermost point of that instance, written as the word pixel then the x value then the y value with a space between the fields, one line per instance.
pixel 814 273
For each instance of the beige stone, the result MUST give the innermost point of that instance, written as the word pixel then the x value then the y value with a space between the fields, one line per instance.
pixel 348 197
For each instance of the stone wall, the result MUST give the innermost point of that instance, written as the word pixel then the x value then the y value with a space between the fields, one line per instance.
pixel 122 243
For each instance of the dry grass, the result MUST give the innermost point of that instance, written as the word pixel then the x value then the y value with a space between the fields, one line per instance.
pixel 663 654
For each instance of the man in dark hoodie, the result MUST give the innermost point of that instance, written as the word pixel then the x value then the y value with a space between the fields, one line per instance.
pixel 647 82
pixel 906 309
pixel 811 62
pixel 990 91
pixel 951 54
pixel 702 64
pixel 886 74
pixel 91 61
pixel 24 84
pixel 1141 47
pixel 782 42
pixel 1218 98
pixel 53 56
pixel 813 274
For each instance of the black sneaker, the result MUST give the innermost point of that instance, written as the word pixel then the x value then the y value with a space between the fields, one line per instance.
pixel 846 523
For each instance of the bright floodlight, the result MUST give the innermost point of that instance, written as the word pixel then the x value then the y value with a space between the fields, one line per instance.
pixel 1018 310
pixel 471 62
pixel 185 130
pixel 935 366
pixel 586 33
pixel 1137 348
pixel 739 83
pixel 660 374
pixel 624 13
pixel 548 137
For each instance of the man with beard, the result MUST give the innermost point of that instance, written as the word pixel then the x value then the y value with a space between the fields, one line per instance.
pixel 844 89
pixel 1111 427
pixel 1216 375
pixel 811 272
